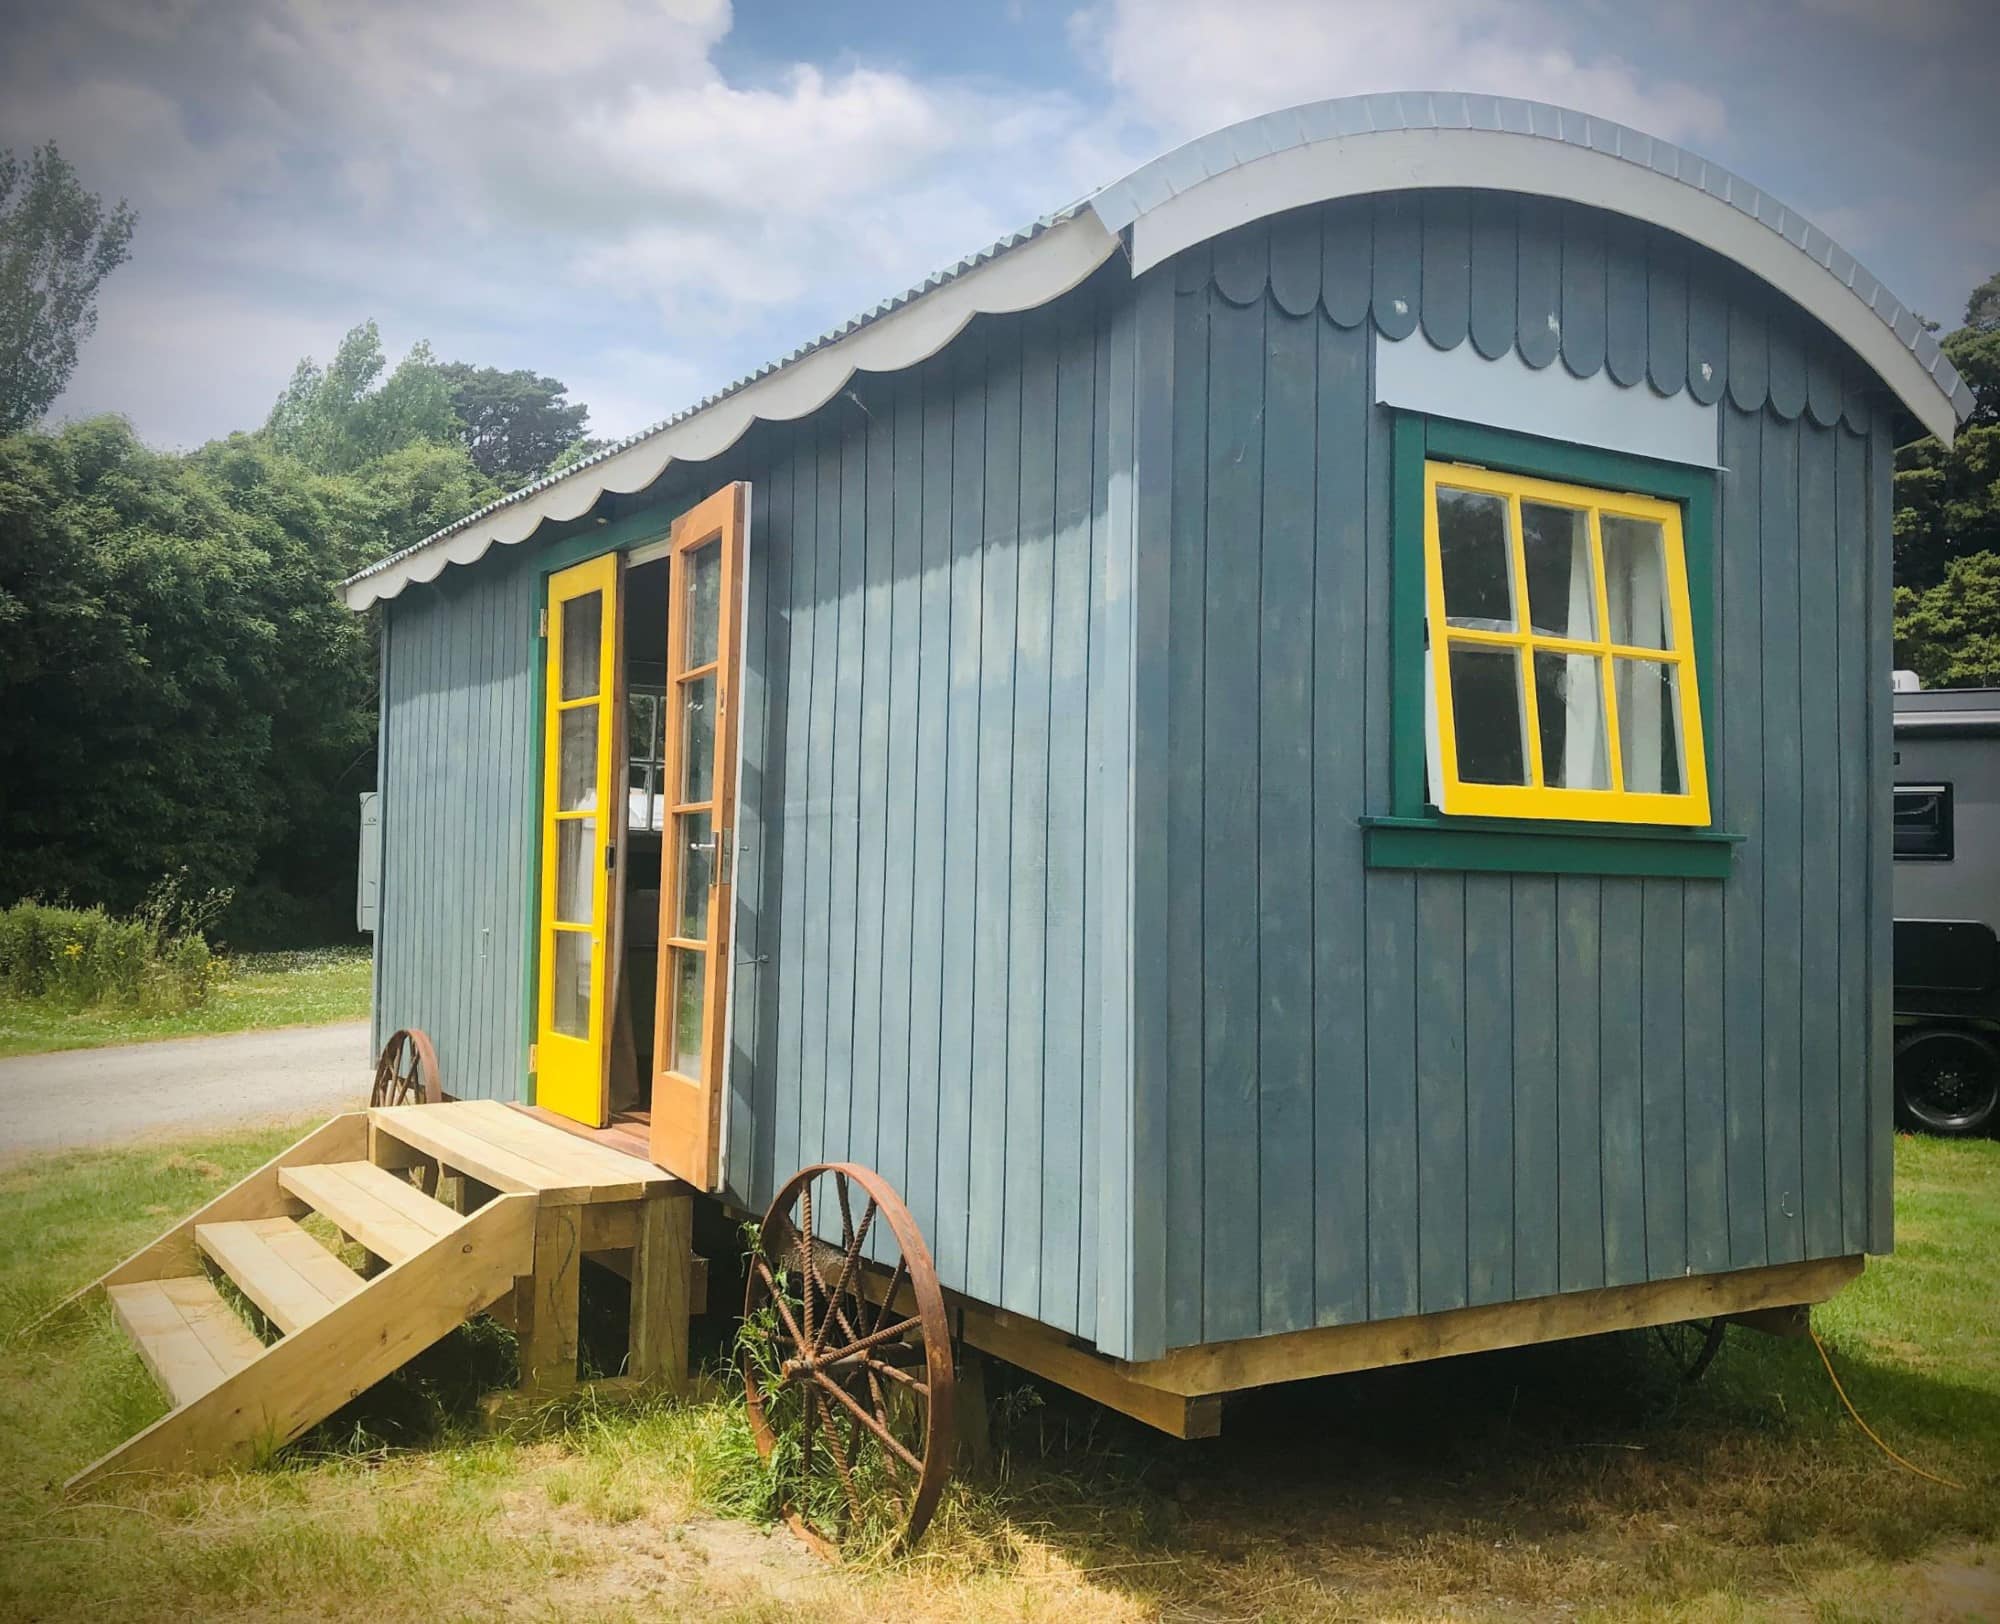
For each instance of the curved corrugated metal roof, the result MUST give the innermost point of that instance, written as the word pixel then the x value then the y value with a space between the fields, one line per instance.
pixel 1123 204
pixel 1151 185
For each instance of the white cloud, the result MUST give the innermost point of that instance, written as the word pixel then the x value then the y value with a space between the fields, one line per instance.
pixel 1189 66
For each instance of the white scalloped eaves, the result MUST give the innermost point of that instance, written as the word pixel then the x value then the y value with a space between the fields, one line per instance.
pixel 1040 267
pixel 1345 147
pixel 1356 145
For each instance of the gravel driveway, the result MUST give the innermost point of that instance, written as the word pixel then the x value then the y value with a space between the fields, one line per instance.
pixel 180 1086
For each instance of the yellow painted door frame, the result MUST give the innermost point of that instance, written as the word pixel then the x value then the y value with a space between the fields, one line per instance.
pixel 690 1029
pixel 582 808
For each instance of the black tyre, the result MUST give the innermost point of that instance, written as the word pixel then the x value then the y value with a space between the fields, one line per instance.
pixel 1947 1082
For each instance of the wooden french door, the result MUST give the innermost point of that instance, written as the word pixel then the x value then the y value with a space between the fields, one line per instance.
pixel 580 812
pixel 690 1028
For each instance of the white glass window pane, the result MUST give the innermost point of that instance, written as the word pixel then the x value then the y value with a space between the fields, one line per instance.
pixel 582 632
pixel 1635 582
pixel 576 869
pixel 696 838
pixel 1473 555
pixel 1569 711
pixel 639 795
pixel 1562 598
pixel 1649 727
pixel 572 983
pixel 641 720
pixel 690 982
pixel 698 739
pixel 704 603
pixel 576 765
pixel 1487 715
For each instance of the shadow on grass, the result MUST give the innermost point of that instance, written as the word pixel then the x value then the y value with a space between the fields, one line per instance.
pixel 1447 1467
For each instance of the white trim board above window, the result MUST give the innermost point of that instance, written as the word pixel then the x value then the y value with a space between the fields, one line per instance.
pixel 1547 402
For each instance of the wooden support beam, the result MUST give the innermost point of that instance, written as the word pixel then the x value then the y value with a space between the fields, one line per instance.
pixel 661 1289
pixel 619 1262
pixel 546 1308
pixel 1333 1350
pixel 1052 1355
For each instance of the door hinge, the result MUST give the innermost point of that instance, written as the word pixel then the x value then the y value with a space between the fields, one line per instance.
pixel 531 1059
pixel 542 626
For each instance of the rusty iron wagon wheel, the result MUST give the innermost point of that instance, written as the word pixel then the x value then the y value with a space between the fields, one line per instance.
pixel 407 1073
pixel 847 1362
pixel 1691 1345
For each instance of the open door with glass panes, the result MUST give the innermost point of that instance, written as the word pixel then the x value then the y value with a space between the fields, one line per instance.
pixel 579 840
pixel 699 813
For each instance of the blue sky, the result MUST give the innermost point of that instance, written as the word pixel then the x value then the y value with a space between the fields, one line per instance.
pixel 648 198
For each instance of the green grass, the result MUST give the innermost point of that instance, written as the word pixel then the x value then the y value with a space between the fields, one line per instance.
pixel 1578 1479
pixel 256 992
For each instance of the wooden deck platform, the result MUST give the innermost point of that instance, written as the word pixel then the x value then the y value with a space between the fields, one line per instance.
pixel 460 1208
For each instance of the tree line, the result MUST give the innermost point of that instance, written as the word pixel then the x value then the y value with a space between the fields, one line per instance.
pixel 185 693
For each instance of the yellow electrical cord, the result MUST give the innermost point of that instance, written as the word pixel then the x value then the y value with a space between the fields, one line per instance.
pixel 1865 1427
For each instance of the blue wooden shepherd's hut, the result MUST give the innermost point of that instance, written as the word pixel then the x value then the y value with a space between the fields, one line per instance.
pixel 1298 755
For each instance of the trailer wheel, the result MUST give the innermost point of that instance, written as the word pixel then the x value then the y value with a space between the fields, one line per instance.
pixel 1947 1081
pixel 847 1363
pixel 1692 1345
pixel 407 1073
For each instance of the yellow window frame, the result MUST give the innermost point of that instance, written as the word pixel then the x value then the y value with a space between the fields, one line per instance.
pixel 1536 798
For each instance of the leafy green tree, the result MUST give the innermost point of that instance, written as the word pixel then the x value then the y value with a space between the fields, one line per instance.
pixel 1949 634
pixel 515 424
pixel 182 687
pixel 57 243
pixel 1948 502
pixel 338 418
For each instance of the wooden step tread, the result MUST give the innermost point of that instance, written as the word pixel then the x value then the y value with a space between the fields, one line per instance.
pixel 382 1210
pixel 513 1152
pixel 191 1339
pixel 280 1268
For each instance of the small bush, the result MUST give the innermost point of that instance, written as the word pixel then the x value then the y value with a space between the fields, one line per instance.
pixel 157 960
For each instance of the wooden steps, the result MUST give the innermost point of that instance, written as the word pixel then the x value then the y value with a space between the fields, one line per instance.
pixel 190 1338
pixel 383 1212
pixel 549 1199
pixel 512 1152
pixel 280 1268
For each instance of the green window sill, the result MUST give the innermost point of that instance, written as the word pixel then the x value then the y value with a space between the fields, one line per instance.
pixel 1499 846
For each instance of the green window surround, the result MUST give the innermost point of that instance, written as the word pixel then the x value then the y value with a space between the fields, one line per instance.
pixel 1415 835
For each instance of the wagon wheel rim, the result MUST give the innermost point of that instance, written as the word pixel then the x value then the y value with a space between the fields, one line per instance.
pixel 1692 1345
pixel 407 1073
pixel 850 1365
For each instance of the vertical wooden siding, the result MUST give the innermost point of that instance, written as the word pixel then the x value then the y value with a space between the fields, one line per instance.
pixel 457 777
pixel 921 904
pixel 928 968
pixel 1387 1093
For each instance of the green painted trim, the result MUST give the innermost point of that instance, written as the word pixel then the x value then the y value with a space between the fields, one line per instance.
pixel 1417 439
pixel 619 536
pixel 1496 846
pixel 1406 617
pixel 530 960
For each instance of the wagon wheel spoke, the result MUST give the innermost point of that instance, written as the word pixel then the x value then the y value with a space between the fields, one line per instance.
pixel 842 1459
pixel 874 1339
pixel 850 1379
pixel 1692 1345
pixel 808 1272
pixel 889 1296
pixel 883 1435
